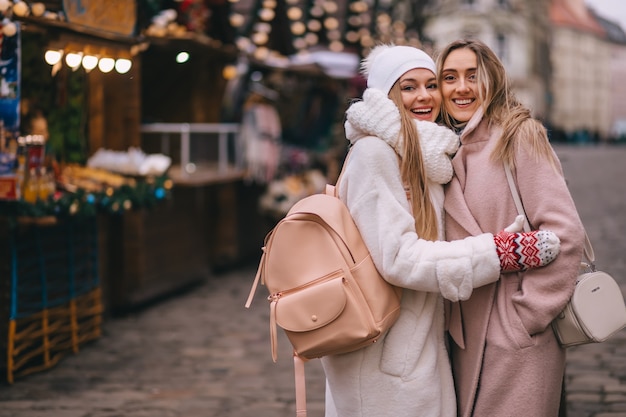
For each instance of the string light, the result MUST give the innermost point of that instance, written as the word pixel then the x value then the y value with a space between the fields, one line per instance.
pixel 358 24
pixel 52 57
pixel 182 57
pixel 331 23
pixel 298 28
pixel 4 5
pixel 294 13
pixel 88 59
pixel 122 65
pixel 237 20
pixel 314 25
pixel 260 38
pixel 106 64
pixel 38 9
pixel 330 7
pixel 300 43
pixel 8 28
pixel 266 14
pixel 229 72
pixel 73 59
pixel 21 9
pixel 318 21
pixel 90 62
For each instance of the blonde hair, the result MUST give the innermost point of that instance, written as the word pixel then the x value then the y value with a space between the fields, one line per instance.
pixel 413 172
pixel 500 105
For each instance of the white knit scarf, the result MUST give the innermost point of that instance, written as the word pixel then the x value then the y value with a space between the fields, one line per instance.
pixel 378 116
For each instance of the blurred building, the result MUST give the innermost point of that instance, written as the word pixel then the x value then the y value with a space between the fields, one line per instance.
pixel 565 62
pixel 617 71
pixel 581 78
pixel 518 31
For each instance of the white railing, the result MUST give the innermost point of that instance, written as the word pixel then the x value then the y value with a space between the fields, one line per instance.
pixel 224 131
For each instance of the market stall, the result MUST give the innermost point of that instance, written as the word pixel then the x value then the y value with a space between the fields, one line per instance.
pixel 155 78
pixel 96 86
pixel 55 210
pixel 51 246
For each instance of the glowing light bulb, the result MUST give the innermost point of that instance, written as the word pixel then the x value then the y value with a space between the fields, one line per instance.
pixel 4 5
pixel 122 65
pixel 9 28
pixel 106 64
pixel 237 20
pixel 182 57
pixel 229 72
pixel 38 9
pixel 73 60
pixel 21 9
pixel 90 62
pixel 52 57
pixel 266 14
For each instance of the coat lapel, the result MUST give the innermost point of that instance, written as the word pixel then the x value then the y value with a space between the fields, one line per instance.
pixel 456 207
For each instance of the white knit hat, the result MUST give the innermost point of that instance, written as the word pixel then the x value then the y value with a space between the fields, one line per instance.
pixel 385 64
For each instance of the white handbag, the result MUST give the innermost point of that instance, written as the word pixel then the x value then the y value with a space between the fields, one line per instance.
pixel 596 310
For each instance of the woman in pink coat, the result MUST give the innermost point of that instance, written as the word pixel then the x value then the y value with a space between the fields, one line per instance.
pixel 506 359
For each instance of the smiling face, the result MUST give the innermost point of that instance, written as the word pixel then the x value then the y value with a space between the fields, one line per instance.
pixel 420 95
pixel 459 86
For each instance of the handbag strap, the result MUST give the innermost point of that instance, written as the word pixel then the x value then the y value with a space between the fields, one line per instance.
pixel 516 197
pixel 587 248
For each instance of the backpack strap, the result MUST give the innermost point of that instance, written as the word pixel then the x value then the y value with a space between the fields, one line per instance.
pixel 298 367
pixel 333 189
pixel 273 334
pixel 256 279
pixel 259 271
pixel 259 276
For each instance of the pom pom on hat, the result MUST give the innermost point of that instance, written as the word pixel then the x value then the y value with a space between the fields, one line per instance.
pixel 385 64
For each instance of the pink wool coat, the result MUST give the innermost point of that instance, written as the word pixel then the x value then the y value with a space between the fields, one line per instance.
pixel 506 360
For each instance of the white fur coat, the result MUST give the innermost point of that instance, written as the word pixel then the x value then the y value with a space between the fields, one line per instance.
pixel 407 372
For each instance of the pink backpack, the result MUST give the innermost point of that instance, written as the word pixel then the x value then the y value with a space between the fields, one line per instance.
pixel 325 292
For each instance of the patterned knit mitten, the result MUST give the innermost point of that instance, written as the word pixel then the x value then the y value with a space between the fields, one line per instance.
pixel 521 251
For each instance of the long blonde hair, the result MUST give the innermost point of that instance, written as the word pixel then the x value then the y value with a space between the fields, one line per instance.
pixel 413 172
pixel 500 105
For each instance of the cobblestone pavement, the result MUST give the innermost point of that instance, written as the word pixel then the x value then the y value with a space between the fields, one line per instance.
pixel 596 374
pixel 201 354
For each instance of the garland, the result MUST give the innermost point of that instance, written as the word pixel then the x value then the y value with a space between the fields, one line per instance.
pixel 143 194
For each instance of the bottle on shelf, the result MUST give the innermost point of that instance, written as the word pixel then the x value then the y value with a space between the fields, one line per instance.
pixel 30 192
pixel 46 185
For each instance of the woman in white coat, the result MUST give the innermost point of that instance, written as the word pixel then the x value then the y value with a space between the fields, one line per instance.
pixel 392 184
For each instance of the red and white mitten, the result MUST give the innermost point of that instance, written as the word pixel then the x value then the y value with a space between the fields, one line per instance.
pixel 521 251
